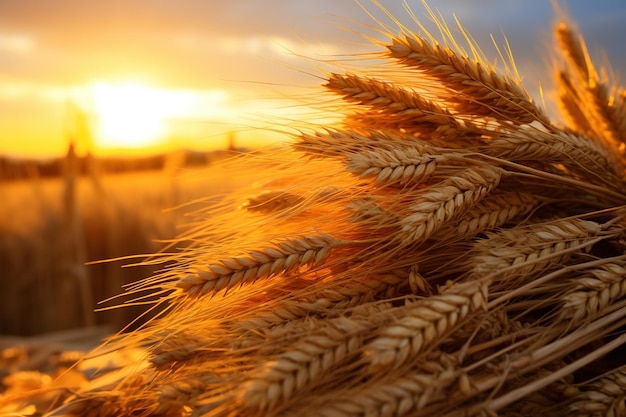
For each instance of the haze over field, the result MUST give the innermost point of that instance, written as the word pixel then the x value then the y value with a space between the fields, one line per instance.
pixel 155 75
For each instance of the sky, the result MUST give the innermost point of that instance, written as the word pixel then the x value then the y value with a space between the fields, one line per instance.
pixel 151 74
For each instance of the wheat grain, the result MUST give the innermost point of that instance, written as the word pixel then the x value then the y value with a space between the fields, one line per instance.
pixel 417 283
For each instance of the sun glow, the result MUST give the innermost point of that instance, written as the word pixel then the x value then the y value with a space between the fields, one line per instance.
pixel 133 115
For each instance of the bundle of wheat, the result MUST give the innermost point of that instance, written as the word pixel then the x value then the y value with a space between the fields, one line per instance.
pixel 447 251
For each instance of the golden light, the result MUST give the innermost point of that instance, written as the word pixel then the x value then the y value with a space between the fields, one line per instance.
pixel 132 115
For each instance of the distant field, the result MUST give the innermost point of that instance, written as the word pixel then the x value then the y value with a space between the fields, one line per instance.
pixel 49 228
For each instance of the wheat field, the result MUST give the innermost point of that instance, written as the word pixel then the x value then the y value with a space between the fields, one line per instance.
pixel 448 250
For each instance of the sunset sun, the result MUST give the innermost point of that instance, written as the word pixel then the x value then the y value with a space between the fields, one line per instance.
pixel 134 115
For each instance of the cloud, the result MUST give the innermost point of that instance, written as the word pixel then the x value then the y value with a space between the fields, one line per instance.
pixel 16 43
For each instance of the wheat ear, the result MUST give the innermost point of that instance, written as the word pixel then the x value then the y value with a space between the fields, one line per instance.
pixel 399 166
pixel 480 90
pixel 593 292
pixel 571 105
pixel 489 213
pixel 423 324
pixel 394 101
pixel 522 250
pixel 273 201
pixel 397 396
pixel 176 396
pixel 344 143
pixel 304 362
pixel 578 153
pixel 287 256
pixel 605 396
pixel 440 204
pixel 336 296
pixel 605 121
